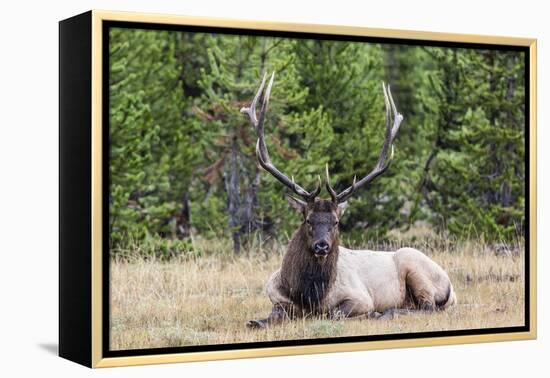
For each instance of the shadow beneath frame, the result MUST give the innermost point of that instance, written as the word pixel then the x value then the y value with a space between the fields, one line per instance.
pixel 51 348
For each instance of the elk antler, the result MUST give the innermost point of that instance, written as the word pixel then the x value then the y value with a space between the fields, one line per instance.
pixel 393 121
pixel 261 149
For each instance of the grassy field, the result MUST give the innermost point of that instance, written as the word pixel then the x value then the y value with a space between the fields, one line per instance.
pixel 207 300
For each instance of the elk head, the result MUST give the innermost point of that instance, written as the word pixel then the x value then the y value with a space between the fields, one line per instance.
pixel 320 216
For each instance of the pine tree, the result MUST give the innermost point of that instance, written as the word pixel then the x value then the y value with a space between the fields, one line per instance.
pixel 345 79
pixel 151 155
pixel 182 157
pixel 235 66
pixel 471 186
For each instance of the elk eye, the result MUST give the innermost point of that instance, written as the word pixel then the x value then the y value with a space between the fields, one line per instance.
pixel 336 223
pixel 307 221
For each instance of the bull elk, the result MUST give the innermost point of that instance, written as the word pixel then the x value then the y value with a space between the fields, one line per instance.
pixel 320 277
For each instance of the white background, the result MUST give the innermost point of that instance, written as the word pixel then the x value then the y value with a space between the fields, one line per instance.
pixel 29 189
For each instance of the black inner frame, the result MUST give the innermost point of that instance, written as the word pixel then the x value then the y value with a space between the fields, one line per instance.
pixel 106 25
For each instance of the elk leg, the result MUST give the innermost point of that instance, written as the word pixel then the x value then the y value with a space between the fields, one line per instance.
pixel 278 314
pixel 421 290
pixel 352 310
pixel 347 310
pixel 389 314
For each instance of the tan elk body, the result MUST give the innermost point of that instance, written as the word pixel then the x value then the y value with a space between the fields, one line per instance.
pixel 318 276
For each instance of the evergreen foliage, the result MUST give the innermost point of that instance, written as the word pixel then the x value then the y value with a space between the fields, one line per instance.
pixel 182 156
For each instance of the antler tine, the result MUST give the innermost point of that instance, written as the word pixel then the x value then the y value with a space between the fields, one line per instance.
pixel 261 148
pixel 397 117
pixel 316 191
pixel 329 187
pixel 388 136
pixel 393 122
pixel 344 195
pixel 251 110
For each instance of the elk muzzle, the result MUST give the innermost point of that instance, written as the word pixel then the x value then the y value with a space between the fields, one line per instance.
pixel 321 248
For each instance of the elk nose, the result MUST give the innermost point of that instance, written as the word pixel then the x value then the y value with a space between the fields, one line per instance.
pixel 321 247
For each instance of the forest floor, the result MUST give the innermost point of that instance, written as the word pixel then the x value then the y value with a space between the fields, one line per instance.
pixel 209 299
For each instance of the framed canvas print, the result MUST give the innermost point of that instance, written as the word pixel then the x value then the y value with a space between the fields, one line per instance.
pixel 235 189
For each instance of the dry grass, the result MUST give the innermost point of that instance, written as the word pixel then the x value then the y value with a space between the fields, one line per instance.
pixel 207 300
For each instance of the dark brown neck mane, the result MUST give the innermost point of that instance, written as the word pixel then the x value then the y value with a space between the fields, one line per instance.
pixel 306 278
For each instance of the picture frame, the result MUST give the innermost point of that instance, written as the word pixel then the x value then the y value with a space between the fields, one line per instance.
pixel 84 261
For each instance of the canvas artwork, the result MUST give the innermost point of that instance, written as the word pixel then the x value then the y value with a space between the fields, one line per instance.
pixel 283 189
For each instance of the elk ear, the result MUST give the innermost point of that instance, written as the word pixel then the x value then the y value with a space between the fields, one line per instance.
pixel 296 203
pixel 342 207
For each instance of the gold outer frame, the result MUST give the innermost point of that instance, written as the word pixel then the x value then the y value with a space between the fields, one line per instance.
pixel 97 322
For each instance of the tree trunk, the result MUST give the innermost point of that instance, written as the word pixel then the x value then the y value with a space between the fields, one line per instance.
pixel 183 219
pixel 506 197
pixel 232 187
pixel 249 221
